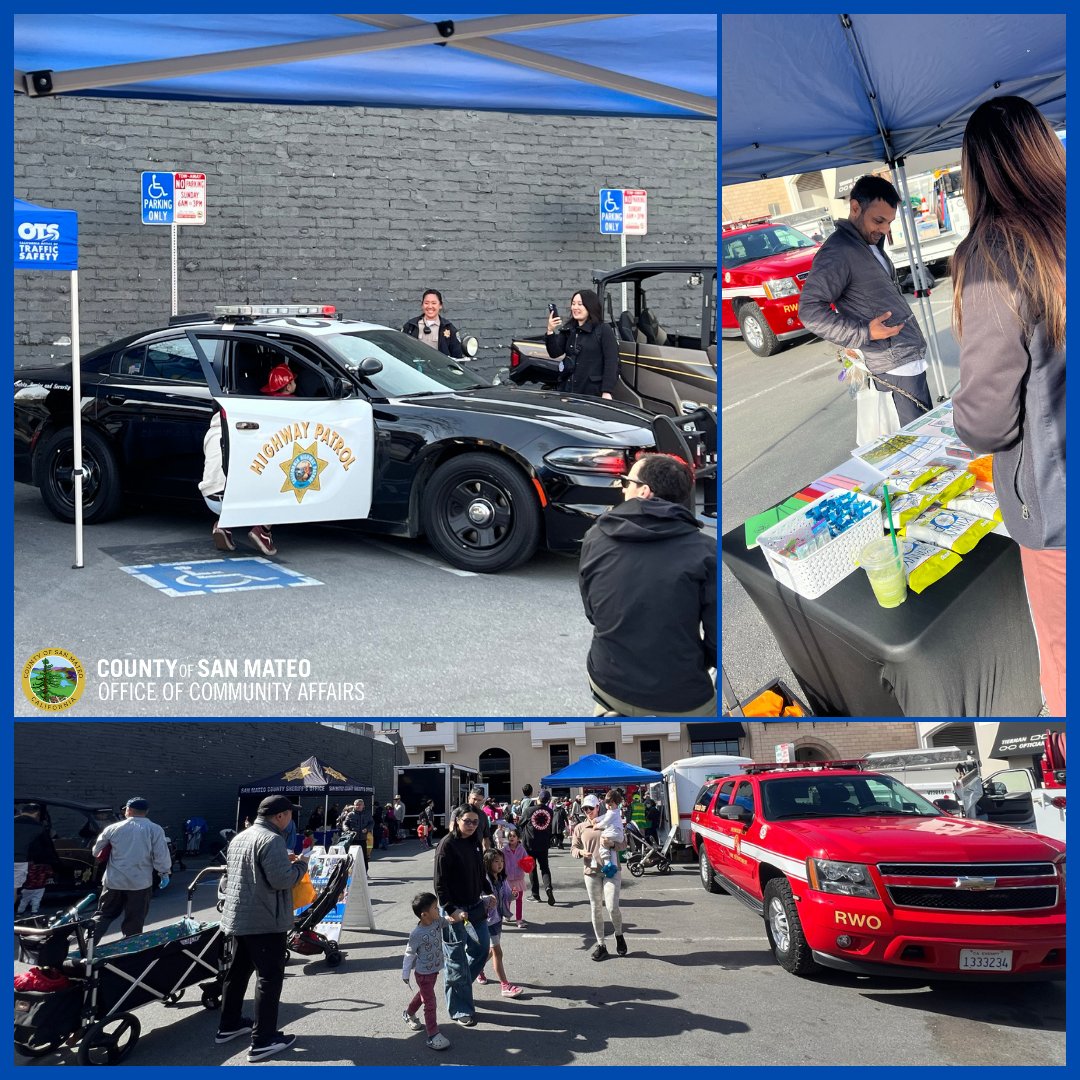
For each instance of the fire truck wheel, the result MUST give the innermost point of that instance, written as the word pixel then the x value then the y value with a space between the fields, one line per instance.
pixel 708 878
pixel 785 931
pixel 756 332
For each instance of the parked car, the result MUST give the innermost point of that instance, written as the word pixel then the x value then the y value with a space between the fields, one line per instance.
pixel 383 430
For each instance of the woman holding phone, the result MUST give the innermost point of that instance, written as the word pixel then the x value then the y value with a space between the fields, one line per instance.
pixel 587 345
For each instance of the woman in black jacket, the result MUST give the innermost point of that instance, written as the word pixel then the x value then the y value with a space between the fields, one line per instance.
pixel 432 329
pixel 459 885
pixel 590 353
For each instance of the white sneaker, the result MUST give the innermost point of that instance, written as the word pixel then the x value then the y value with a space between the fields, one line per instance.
pixel 439 1041
pixel 412 1020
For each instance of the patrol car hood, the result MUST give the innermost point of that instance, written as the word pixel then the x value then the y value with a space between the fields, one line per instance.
pixel 928 839
pixel 566 412
pixel 783 265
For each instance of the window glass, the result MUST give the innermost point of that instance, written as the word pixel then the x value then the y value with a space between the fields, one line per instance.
pixel 755 244
pixel 174 360
pixel 409 367
pixel 744 796
pixel 130 361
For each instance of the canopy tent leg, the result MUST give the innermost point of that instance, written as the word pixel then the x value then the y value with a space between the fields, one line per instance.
pixel 76 419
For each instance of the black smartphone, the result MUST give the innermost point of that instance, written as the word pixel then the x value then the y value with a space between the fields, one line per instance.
pixel 553 310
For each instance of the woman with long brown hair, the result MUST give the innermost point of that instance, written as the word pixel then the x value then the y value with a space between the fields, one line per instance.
pixel 1009 317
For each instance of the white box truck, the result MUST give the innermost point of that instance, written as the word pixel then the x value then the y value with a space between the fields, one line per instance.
pixel 447 785
pixel 683 779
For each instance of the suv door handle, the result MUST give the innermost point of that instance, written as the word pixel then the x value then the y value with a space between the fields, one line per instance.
pixel 247 425
pixel 116 399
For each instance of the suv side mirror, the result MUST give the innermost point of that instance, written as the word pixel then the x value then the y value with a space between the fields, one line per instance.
pixel 735 812
pixel 370 365
pixel 948 806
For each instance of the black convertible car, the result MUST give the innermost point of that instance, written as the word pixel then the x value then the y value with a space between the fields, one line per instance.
pixel 382 429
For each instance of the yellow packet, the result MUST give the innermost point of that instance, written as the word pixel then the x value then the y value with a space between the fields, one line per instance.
pixel 905 507
pixel 945 486
pixel 950 529
pixel 909 479
pixel 981 503
pixel 924 563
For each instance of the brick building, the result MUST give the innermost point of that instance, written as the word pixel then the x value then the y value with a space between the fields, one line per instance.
pixel 361 208
pixel 188 769
pixel 817 740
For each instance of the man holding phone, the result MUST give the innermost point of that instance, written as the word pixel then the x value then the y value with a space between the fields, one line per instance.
pixel 852 298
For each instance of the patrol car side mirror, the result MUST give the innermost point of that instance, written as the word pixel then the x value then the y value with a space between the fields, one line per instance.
pixel 736 813
pixel 948 806
pixel 469 345
pixel 370 365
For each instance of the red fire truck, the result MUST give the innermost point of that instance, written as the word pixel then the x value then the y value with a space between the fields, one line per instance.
pixel 852 870
pixel 764 266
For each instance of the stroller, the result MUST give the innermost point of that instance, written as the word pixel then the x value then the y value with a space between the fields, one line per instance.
pixel 305 940
pixel 643 853
pixel 97 987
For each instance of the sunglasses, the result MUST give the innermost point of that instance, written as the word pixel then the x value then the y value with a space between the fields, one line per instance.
pixel 469 821
pixel 626 481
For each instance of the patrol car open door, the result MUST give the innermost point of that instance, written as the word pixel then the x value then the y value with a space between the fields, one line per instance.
pixel 289 459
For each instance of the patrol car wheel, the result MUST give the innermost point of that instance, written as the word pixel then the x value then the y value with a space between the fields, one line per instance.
pixel 756 332
pixel 101 476
pixel 708 878
pixel 784 930
pixel 480 514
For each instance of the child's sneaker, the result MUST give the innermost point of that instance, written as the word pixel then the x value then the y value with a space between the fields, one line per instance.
pixel 439 1041
pixel 482 979
pixel 509 990
pixel 223 540
pixel 261 538
pixel 412 1020
pixel 521 924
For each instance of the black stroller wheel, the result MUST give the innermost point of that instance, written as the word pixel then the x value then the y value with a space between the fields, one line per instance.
pixel 33 1049
pixel 173 998
pixel 109 1041
pixel 210 1000
pixel 637 867
pixel 333 958
pixel 663 867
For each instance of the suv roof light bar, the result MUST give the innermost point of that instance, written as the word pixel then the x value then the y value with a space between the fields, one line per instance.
pixel 809 766
pixel 273 310
pixel 728 226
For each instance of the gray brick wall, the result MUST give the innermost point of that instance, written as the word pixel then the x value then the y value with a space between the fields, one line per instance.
pixel 362 208
pixel 186 769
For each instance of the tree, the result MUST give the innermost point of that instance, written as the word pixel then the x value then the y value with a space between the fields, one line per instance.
pixel 46 681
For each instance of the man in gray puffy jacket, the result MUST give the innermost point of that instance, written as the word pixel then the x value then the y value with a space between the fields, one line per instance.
pixel 852 298
pixel 259 915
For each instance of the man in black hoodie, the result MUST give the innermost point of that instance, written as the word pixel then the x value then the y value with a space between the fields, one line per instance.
pixel 648 581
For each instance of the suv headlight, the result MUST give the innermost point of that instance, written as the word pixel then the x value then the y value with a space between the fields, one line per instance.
pixel 777 287
pixel 843 878
pixel 588 459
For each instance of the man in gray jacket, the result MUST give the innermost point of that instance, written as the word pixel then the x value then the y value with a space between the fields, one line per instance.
pixel 852 274
pixel 259 915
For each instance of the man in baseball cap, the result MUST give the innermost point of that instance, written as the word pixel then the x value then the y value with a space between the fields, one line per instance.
pixel 259 915
pixel 590 801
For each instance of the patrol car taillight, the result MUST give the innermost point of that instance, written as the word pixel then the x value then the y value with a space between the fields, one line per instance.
pixel 221 310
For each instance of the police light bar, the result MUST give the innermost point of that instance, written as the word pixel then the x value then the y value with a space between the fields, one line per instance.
pixel 779 766
pixel 221 310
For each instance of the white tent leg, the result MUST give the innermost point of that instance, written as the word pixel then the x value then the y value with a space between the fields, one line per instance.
pixel 76 419
pixel 918 268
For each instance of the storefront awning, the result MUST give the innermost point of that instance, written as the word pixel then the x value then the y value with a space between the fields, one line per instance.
pixel 1018 740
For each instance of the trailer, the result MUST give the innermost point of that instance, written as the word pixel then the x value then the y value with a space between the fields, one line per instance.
pixel 683 780
pixel 445 784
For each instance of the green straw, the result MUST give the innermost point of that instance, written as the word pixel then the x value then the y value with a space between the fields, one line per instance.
pixel 888 514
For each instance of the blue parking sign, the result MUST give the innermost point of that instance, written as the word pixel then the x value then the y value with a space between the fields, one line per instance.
pixel 611 210
pixel 158 198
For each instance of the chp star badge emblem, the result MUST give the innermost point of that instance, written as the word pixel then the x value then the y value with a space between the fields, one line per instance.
pixel 302 471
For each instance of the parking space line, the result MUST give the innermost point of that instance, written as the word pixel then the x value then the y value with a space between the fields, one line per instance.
pixel 776 386
pixel 420 559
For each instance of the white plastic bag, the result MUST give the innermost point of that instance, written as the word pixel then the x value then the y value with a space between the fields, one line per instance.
pixel 875 414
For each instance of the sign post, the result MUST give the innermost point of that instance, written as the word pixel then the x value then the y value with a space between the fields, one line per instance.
pixel 177 198
pixel 623 211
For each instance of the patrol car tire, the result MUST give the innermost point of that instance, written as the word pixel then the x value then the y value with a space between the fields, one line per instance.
pixel 487 485
pixel 101 480
pixel 756 332
pixel 708 878
pixel 784 930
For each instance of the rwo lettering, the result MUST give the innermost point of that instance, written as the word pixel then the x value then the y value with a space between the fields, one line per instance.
pixel 298 431
pixel 854 918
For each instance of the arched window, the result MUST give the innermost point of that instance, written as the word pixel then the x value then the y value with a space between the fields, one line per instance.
pixel 495 772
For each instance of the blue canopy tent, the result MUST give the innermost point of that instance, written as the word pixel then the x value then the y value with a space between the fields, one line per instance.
pixel 594 64
pixel 47 239
pixel 598 770
pixel 865 88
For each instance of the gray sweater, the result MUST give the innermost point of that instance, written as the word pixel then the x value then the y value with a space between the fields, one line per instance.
pixel 845 272
pixel 258 888
pixel 1011 403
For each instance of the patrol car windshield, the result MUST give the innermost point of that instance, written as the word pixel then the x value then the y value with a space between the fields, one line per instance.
pixel 791 798
pixel 409 367
pixel 745 247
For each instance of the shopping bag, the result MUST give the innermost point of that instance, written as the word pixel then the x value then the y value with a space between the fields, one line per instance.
pixel 303 892
pixel 875 414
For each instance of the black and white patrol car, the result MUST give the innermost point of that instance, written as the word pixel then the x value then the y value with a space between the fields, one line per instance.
pixel 382 429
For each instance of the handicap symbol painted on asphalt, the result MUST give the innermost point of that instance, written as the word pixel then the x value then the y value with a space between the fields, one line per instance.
pixel 204 577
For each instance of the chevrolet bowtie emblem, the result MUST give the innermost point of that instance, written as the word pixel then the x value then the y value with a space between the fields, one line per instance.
pixel 975 884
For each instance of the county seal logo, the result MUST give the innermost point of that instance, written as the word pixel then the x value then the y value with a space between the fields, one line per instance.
pixel 302 471
pixel 53 679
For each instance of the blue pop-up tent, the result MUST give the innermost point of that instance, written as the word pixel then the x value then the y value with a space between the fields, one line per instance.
pixel 48 239
pixel 598 770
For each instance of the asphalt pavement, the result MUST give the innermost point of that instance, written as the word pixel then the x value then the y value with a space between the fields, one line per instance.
pixel 786 420
pixel 382 626
pixel 699 987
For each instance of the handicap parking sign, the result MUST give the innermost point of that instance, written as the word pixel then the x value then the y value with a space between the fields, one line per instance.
pixel 611 210
pixel 203 577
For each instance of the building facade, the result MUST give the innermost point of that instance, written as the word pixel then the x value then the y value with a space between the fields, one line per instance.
pixel 510 753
